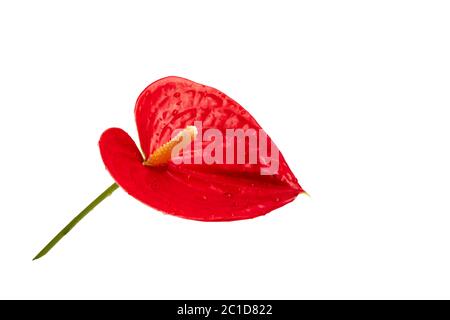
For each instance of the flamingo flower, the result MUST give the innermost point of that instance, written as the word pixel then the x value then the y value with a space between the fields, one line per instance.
pixel 202 157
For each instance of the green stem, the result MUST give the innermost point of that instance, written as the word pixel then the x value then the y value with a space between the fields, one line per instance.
pixel 75 220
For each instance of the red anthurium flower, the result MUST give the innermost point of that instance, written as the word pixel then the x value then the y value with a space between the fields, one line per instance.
pixel 208 192
pixel 204 157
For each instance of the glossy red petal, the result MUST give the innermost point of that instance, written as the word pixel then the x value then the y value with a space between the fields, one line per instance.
pixel 217 192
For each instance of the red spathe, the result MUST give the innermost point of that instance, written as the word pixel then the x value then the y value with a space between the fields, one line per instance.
pixel 217 192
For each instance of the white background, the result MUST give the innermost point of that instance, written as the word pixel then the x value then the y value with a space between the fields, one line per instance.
pixel 355 94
